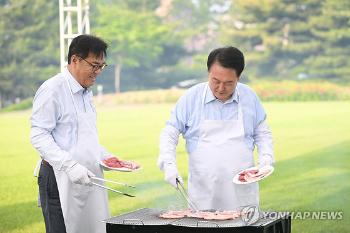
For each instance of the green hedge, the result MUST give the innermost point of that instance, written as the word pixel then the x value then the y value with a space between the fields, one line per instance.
pixel 22 105
pixel 266 90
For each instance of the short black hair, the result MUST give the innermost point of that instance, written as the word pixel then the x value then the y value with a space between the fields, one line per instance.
pixel 228 57
pixel 84 44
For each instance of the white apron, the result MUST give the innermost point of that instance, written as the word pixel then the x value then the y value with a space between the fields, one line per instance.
pixel 84 206
pixel 220 154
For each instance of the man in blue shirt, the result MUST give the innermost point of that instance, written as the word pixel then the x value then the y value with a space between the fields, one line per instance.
pixel 222 121
pixel 64 132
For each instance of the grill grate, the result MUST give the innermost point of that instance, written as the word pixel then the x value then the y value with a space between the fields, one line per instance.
pixel 147 221
pixel 143 216
pixel 147 216
pixel 193 222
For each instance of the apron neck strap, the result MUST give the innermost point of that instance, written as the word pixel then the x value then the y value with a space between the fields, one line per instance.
pixel 203 101
pixel 70 91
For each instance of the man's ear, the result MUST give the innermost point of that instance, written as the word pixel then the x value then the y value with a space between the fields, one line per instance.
pixel 74 59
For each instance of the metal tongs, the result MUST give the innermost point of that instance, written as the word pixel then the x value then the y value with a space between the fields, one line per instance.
pixel 110 189
pixel 184 194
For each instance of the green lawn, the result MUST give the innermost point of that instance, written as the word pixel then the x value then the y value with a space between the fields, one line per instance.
pixel 312 173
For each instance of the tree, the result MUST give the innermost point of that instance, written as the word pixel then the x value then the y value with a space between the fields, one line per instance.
pixel 332 30
pixel 197 22
pixel 181 30
pixel 286 38
pixel 134 36
pixel 29 40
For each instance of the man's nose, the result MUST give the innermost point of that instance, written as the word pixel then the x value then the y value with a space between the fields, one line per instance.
pixel 98 71
pixel 221 86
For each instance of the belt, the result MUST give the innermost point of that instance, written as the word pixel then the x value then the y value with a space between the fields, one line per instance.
pixel 45 162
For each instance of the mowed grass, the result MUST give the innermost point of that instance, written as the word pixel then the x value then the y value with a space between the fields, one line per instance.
pixel 312 172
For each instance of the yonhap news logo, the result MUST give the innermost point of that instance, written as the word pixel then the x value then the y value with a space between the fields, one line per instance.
pixel 300 215
pixel 251 214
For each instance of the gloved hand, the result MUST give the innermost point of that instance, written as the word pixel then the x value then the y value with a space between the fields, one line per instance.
pixel 79 174
pixel 263 164
pixel 171 173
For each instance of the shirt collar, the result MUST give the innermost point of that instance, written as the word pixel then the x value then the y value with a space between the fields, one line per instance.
pixel 74 85
pixel 210 96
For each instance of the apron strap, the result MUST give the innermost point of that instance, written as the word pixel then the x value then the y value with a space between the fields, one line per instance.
pixel 71 93
pixel 37 168
pixel 203 101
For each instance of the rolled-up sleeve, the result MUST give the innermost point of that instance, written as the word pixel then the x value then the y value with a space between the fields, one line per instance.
pixel 46 112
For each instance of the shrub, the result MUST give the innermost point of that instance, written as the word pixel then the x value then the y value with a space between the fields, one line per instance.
pixel 300 91
pixel 22 105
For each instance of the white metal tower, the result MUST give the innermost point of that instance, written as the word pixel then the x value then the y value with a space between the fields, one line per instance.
pixel 74 21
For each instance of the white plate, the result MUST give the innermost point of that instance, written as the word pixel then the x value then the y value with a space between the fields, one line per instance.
pixel 237 181
pixel 121 169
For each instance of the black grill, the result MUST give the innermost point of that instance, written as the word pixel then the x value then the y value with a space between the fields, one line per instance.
pixel 147 220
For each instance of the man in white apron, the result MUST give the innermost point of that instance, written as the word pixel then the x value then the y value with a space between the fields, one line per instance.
pixel 222 121
pixel 63 130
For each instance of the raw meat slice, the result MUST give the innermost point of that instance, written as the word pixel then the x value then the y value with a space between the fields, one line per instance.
pixel 253 174
pixel 218 215
pixel 175 214
pixel 114 162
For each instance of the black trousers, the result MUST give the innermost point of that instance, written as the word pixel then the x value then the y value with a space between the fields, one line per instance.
pixel 50 201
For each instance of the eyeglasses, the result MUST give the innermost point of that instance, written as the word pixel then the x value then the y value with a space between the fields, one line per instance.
pixel 95 67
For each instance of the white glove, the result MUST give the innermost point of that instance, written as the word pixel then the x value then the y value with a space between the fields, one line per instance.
pixel 170 175
pixel 265 162
pixel 79 174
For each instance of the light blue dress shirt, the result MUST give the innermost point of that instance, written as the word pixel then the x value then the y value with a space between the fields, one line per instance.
pixel 54 122
pixel 186 118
